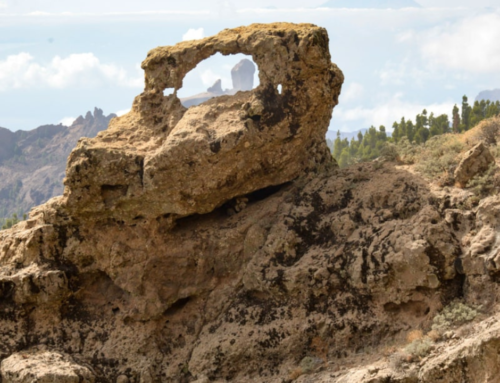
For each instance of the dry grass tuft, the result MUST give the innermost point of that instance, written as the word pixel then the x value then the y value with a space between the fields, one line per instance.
pixel 414 335
pixel 434 335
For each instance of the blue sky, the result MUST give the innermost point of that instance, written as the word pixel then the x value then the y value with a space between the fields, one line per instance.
pixel 59 59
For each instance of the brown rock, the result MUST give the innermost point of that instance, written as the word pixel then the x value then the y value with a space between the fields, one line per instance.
pixel 312 278
pixel 162 159
pixel 475 161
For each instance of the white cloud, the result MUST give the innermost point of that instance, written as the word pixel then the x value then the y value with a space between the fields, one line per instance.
pixel 407 70
pixel 353 92
pixel 67 121
pixel 208 77
pixel 3 4
pixel 193 34
pixel 470 45
pixel 82 70
pixel 386 113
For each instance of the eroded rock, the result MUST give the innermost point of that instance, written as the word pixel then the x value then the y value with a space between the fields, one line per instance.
pixel 475 161
pixel 163 159
pixel 305 270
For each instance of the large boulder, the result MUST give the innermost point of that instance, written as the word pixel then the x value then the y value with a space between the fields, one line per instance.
pixel 477 160
pixel 163 159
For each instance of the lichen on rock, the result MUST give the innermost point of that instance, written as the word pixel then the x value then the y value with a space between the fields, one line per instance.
pixel 221 243
pixel 162 158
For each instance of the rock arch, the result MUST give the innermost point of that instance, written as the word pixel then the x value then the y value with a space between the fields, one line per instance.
pixel 162 158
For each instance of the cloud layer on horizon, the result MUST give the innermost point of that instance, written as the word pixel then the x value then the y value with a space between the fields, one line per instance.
pixel 83 70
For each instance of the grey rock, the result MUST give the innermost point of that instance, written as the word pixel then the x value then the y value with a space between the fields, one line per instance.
pixel 242 75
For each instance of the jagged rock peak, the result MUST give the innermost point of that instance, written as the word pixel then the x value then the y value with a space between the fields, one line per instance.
pixel 179 162
pixel 216 88
pixel 242 75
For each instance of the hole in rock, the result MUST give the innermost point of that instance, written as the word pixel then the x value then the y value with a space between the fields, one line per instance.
pixel 218 76
pixel 168 91
pixel 280 88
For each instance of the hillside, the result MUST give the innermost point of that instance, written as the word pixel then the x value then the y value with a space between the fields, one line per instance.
pixel 32 163
pixel 222 243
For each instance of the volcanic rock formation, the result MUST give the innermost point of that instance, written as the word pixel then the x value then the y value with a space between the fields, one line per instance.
pixel 242 75
pixel 204 156
pixel 221 243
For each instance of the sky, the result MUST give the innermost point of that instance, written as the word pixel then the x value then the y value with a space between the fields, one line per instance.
pixel 59 59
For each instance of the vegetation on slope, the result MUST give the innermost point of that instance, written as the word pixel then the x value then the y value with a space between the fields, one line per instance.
pixel 408 135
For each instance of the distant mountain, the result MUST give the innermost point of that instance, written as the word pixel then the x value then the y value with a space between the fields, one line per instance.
pixel 378 4
pixel 492 95
pixel 33 163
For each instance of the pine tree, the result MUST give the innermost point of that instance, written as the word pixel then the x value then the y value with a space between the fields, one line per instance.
pixel 466 111
pixel 456 119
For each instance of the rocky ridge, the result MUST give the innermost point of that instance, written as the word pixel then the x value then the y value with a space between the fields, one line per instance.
pixel 220 243
pixel 33 163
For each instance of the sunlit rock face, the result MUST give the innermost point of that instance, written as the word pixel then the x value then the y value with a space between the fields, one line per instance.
pixel 164 159
pixel 220 243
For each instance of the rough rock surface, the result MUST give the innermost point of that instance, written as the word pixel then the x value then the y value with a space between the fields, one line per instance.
pixel 203 156
pixel 42 366
pixel 475 161
pixel 319 268
pixel 242 75
pixel 33 163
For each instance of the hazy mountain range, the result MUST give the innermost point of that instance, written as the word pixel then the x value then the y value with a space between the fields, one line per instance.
pixel 492 95
pixel 33 163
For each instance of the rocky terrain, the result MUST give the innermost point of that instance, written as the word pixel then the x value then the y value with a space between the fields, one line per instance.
pixel 221 243
pixel 33 163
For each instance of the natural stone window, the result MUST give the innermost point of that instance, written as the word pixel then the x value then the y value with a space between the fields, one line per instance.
pixel 218 76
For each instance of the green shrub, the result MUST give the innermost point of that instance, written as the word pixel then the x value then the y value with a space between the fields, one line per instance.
pixel 455 314
pixel 419 347
pixel 7 223
pixel 483 185
pixel 390 152
pixel 439 156
pixel 408 153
